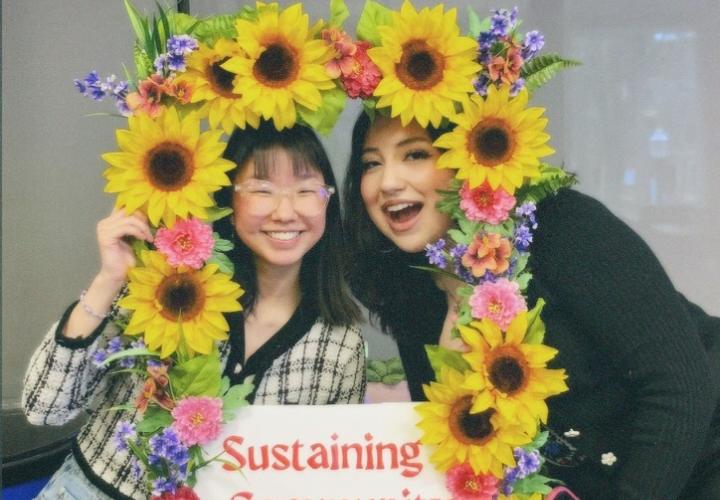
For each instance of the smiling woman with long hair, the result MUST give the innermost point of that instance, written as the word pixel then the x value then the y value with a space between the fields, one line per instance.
pixel 296 336
pixel 642 361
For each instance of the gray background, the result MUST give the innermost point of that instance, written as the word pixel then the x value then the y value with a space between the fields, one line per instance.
pixel 639 123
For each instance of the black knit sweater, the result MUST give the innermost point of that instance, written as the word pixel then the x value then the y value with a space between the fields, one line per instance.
pixel 643 363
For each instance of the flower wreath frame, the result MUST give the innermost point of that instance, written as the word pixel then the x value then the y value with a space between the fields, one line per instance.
pixel 484 411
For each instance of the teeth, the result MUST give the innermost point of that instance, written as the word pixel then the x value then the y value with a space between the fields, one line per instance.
pixel 283 235
pixel 398 207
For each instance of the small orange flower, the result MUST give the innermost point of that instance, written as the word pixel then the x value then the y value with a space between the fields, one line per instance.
pixel 148 96
pixel 506 68
pixel 154 389
pixel 488 252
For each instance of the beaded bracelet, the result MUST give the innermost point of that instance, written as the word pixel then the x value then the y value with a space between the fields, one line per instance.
pixel 89 310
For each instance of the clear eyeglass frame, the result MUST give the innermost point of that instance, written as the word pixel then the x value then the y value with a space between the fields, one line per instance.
pixel 264 197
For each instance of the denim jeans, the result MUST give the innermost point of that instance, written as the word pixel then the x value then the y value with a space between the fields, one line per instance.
pixel 70 483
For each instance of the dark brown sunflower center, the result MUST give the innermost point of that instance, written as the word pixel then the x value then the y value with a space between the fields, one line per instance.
pixel 180 297
pixel 277 66
pixel 420 67
pixel 492 142
pixel 470 428
pixel 169 166
pixel 221 79
pixel 508 371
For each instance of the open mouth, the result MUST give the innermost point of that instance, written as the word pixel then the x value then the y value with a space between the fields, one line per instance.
pixel 283 235
pixel 402 212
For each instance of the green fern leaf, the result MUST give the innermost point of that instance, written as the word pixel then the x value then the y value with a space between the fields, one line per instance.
pixel 537 72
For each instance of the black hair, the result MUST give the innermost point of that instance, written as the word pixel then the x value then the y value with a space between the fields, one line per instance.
pixel 322 269
pixel 405 300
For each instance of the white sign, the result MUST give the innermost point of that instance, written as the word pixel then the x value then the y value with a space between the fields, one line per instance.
pixel 337 452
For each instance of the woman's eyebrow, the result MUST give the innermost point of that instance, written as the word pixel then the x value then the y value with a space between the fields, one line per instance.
pixel 404 142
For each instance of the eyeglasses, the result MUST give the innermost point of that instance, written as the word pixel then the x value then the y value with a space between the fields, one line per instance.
pixel 263 197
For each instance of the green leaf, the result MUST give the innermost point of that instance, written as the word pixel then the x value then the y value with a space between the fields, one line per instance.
pixel 217 213
pixel 338 13
pixel 223 262
pixel 224 386
pixel 165 31
pixel 540 70
pixel 199 376
pixel 182 23
pixel 440 356
pixel 538 442
pixel 139 246
pixel 323 119
pixel 222 245
pixel 460 237
pixel 143 64
pixel 211 29
pixel 394 365
pixel 393 378
pixel 534 483
pixel 138 22
pixel 126 353
pixel 155 418
pixel 523 280
pixel 473 23
pixel 551 180
pixel 520 264
pixel 378 367
pixel 372 16
pixel 536 328
pixel 235 398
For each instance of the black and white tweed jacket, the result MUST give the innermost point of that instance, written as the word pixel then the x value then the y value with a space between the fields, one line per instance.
pixel 321 365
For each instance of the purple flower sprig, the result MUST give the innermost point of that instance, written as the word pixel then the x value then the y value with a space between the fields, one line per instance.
pixel 178 47
pixel 435 253
pixel 168 459
pixel 528 462
pixel 97 89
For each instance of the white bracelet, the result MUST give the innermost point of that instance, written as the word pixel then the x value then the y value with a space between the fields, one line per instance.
pixel 89 309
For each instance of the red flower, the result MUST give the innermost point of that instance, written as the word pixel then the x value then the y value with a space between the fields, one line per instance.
pixel 464 484
pixel 364 75
pixel 182 493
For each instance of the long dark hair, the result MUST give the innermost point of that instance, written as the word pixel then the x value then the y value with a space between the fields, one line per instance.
pixel 322 270
pixel 405 300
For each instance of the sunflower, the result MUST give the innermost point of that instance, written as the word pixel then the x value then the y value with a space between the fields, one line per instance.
pixel 166 167
pixel 213 85
pixel 280 66
pixel 483 439
pixel 496 139
pixel 509 374
pixel 172 305
pixel 426 65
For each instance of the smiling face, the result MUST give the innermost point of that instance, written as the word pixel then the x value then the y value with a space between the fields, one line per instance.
pixel 282 237
pixel 399 184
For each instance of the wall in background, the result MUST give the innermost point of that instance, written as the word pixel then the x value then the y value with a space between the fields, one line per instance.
pixel 639 122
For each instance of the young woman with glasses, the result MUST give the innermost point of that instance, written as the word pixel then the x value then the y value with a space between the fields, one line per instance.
pixel 297 334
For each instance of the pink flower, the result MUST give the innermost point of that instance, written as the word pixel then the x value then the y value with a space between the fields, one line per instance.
pixel 488 252
pixel 364 76
pixel 189 242
pixel 464 484
pixel 500 302
pixel 482 204
pixel 197 419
